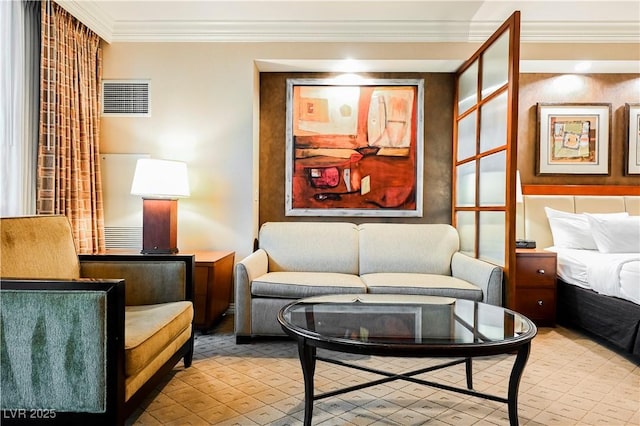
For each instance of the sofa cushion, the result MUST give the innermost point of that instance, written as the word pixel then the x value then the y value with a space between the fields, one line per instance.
pixel 311 246
pixel 150 328
pixel 416 248
pixel 294 285
pixel 421 284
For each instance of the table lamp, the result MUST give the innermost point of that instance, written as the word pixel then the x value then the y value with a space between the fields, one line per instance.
pixel 160 183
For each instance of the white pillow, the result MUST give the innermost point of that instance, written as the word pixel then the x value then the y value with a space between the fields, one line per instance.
pixel 572 230
pixel 616 235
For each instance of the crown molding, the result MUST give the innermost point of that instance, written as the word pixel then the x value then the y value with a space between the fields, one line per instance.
pixel 91 15
pixel 94 17
pixel 359 66
pixel 288 31
pixel 367 31
pixel 580 32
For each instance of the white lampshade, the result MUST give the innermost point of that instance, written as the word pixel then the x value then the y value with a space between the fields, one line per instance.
pixel 160 179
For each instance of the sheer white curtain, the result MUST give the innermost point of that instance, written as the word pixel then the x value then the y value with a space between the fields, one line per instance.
pixel 19 105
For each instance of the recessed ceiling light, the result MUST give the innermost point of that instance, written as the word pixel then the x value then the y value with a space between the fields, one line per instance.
pixel 347 79
pixel 348 65
pixel 582 66
pixel 569 83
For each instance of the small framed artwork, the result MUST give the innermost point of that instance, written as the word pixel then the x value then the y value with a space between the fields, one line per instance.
pixel 574 138
pixel 632 139
pixel 354 149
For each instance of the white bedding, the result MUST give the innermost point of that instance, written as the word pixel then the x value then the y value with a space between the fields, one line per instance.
pixel 612 274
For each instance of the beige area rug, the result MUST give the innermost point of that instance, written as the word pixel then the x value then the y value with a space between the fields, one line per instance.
pixel 569 380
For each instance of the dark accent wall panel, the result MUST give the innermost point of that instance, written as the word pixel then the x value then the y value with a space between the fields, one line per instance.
pixel 438 116
pixel 616 89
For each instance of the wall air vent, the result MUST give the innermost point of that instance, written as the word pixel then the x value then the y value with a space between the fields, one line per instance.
pixel 126 98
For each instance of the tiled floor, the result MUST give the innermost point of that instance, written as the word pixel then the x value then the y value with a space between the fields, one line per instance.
pixel 568 380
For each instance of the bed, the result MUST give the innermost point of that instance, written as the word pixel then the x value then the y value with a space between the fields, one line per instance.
pixel 598 293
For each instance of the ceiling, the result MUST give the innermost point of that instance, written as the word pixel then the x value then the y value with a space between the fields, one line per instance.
pixel 425 21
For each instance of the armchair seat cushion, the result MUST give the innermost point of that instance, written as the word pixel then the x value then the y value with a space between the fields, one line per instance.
pixel 149 329
pixel 421 284
pixel 305 284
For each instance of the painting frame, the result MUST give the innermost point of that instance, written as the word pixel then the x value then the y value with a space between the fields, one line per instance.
pixel 573 138
pixel 632 139
pixel 354 148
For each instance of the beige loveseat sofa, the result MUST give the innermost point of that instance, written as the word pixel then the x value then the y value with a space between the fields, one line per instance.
pixel 85 338
pixel 303 259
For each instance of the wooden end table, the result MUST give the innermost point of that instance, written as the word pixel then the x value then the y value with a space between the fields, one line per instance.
pixel 536 285
pixel 213 287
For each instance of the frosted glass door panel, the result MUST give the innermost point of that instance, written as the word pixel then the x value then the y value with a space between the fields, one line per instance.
pixel 491 244
pixel 468 88
pixel 495 65
pixel 466 225
pixel 466 185
pixel 493 123
pixel 493 179
pixel 467 137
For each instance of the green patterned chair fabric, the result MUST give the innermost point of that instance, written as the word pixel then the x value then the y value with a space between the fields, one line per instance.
pixel 44 348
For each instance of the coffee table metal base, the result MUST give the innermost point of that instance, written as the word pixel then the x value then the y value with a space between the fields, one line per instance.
pixel 308 358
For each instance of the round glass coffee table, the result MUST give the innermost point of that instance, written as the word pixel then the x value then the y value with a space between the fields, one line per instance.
pixel 407 326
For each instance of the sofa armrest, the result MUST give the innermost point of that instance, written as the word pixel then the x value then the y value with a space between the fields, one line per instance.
pixel 480 273
pixel 63 348
pixel 150 278
pixel 249 268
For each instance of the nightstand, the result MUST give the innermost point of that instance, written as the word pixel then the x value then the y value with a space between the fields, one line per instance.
pixel 212 288
pixel 536 285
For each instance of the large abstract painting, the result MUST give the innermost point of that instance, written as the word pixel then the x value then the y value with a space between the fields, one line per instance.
pixel 354 149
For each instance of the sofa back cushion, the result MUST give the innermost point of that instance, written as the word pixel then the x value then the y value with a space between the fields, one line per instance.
pixel 413 248
pixel 310 246
pixel 38 247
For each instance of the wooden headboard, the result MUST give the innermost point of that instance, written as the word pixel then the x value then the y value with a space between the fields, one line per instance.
pixel 531 220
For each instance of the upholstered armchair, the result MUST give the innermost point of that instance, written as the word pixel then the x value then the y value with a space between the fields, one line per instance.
pixel 85 338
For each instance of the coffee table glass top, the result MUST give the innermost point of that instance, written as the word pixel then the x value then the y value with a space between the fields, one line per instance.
pixel 405 320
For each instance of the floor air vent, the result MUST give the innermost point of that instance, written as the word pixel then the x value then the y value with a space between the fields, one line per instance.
pixel 126 98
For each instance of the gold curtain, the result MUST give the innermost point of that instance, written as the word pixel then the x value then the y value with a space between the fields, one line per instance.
pixel 69 180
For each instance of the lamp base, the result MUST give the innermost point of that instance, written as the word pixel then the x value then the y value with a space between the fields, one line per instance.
pixel 158 251
pixel 159 226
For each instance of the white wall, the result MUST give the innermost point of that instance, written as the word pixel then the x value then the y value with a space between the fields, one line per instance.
pixel 204 110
